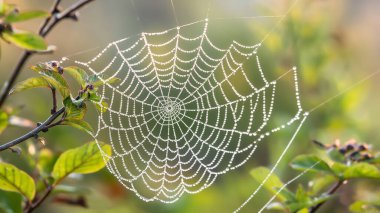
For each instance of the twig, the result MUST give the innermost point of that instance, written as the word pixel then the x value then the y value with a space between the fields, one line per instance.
pixel 54 109
pixel 36 204
pixel 49 23
pixel 43 127
pixel 331 191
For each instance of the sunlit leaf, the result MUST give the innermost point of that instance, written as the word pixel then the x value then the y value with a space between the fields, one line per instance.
pixel 16 180
pixel 361 170
pixel 97 81
pixel 83 160
pixel 24 16
pixel 365 207
pixel 4 121
pixel 311 163
pixel 307 203
pixel 58 82
pixel 79 124
pixel 6 8
pixel 25 40
pixel 74 111
pixel 318 184
pixel 78 74
pixel 36 82
pixel 272 183
pixel 335 155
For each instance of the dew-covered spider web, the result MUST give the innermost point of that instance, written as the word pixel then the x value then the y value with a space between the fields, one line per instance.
pixel 186 110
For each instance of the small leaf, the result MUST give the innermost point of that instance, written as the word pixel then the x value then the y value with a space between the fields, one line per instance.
pixel 101 107
pixel 335 155
pixel 339 169
pixel 320 183
pixel 365 206
pixel 25 40
pixel 361 170
pixel 97 81
pixel 6 8
pixel 74 111
pixel 16 180
pixel 311 163
pixel 30 83
pixel 273 182
pixel 79 124
pixel 58 82
pixel 4 120
pixel 24 16
pixel 78 74
pixel 83 160
pixel 106 81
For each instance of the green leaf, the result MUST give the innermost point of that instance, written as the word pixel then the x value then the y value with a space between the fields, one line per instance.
pixel 30 83
pixel 311 163
pixel 79 124
pixel 272 184
pixel 24 16
pixel 57 81
pixel 339 169
pixel 6 8
pixel 78 74
pixel 335 155
pixel 361 170
pixel 4 120
pixel 365 207
pixel 83 160
pixel 320 183
pixel 307 202
pixel 10 202
pixel 101 107
pixel 25 40
pixel 74 111
pixel 97 81
pixel 16 180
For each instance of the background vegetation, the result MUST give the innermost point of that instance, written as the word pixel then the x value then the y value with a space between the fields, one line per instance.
pixel 333 43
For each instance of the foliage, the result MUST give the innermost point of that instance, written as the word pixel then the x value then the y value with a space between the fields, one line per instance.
pixel 356 161
pixel 9 15
pixel 82 160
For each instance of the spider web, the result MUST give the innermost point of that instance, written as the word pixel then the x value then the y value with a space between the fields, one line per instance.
pixel 185 111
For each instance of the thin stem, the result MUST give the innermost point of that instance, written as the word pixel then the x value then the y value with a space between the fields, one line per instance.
pixel 43 127
pixel 331 191
pixel 50 22
pixel 54 109
pixel 36 204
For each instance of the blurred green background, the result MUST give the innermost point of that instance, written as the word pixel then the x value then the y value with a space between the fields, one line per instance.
pixel 334 44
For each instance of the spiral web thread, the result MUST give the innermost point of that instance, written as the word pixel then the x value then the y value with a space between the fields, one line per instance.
pixel 184 112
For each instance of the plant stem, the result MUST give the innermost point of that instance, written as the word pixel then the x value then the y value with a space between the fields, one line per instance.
pixel 55 17
pixel 54 109
pixel 331 191
pixel 37 203
pixel 44 126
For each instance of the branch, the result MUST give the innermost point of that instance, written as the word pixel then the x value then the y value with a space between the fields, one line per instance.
pixel 43 127
pixel 35 205
pixel 55 17
pixel 331 191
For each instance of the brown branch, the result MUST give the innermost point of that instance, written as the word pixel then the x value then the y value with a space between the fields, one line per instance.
pixel 37 203
pixel 43 127
pixel 50 22
pixel 331 191
pixel 54 109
